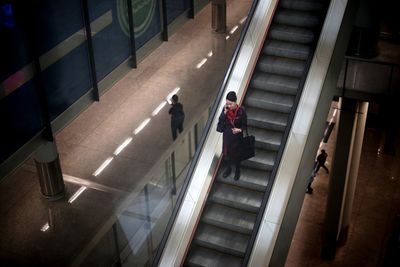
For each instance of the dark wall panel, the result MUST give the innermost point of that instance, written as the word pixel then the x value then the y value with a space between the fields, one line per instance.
pixel 110 44
pixel 67 77
pixel 20 119
pixel 176 8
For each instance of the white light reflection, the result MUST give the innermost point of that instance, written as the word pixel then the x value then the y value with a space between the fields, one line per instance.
pixel 77 194
pixel 201 63
pixel 141 126
pixel 333 116
pixel 227 37
pixel 243 20
pixel 210 54
pixel 45 227
pixel 160 107
pixel 103 166
pixel 169 96
pixel 234 29
pixel 122 146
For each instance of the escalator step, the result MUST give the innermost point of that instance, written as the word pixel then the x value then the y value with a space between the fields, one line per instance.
pixel 304 5
pixel 291 34
pixel 269 101
pixel 236 197
pixel 275 83
pixel 263 160
pixel 296 18
pixel 286 49
pixel 252 179
pixel 267 139
pixel 266 119
pixel 227 218
pixel 203 257
pixel 281 66
pixel 222 240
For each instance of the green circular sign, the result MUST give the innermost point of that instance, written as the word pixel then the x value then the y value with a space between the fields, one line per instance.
pixel 143 12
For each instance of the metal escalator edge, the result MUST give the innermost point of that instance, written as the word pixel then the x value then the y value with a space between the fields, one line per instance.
pixel 238 215
pixel 275 234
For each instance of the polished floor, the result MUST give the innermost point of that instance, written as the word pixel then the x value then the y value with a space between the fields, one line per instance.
pixel 375 215
pixel 35 232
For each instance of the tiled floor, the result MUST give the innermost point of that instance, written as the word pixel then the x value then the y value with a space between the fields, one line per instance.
pixel 94 135
pixel 376 205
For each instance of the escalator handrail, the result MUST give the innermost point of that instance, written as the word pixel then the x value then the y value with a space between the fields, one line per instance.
pixel 207 128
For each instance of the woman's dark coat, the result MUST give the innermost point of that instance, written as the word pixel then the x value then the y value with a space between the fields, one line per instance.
pixel 231 142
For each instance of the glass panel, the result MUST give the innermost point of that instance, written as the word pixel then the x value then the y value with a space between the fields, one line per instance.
pixel 104 254
pixel 21 116
pixel 110 35
pixel 146 17
pixel 175 8
pixel 64 57
pixel 20 112
pixel 182 156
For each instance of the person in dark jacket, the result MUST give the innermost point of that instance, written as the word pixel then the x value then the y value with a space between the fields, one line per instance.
pixel 232 122
pixel 320 162
pixel 177 116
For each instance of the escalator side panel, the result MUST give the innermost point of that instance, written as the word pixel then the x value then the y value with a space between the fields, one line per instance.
pixel 222 236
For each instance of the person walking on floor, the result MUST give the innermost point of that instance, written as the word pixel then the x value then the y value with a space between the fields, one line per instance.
pixel 177 116
pixel 320 162
pixel 232 122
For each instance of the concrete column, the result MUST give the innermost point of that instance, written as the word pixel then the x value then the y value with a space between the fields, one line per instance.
pixel 353 166
pixel 218 11
pixel 337 181
pixel 49 171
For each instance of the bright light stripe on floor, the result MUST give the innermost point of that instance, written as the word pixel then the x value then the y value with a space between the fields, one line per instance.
pixel 94 185
pixel 160 107
pixel 122 146
pixel 227 37
pixel 201 63
pixel 243 20
pixel 210 54
pixel 103 166
pixel 45 227
pixel 169 96
pixel 234 29
pixel 77 194
pixel 333 116
pixel 141 126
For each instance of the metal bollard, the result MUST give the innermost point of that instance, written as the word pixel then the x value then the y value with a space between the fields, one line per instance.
pixel 49 171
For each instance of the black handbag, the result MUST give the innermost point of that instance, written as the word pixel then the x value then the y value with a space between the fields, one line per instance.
pixel 247 148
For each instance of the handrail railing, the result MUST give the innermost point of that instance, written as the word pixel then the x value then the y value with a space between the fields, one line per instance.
pixel 207 128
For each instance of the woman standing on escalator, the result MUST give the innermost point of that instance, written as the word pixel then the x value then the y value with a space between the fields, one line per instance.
pixel 232 122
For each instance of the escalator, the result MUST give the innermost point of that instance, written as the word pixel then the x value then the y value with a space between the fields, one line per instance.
pixel 228 223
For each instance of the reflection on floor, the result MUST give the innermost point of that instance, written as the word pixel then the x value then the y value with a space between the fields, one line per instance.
pixel 373 219
pixel 36 232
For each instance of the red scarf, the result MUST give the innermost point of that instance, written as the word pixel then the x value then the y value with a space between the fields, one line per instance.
pixel 231 114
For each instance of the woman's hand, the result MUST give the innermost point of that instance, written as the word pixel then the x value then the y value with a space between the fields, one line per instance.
pixel 236 130
pixel 226 108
